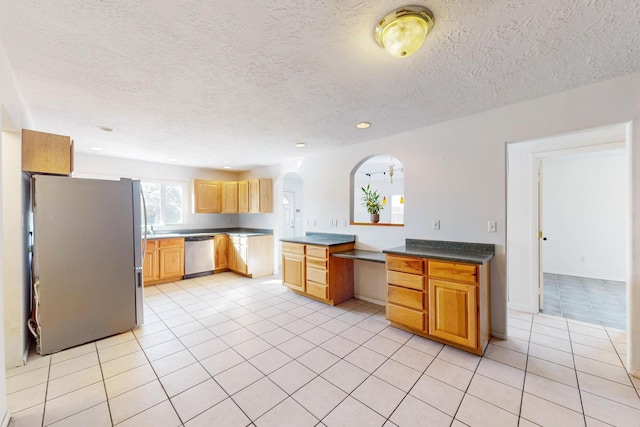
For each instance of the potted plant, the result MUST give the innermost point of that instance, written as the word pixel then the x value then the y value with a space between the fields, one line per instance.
pixel 371 201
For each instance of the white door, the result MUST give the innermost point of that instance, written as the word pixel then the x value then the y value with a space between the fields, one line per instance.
pixel 541 240
pixel 289 214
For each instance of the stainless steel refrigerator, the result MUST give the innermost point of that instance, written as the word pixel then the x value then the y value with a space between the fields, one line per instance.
pixel 87 260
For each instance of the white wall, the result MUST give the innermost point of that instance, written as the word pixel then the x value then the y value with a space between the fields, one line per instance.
pixel 13 117
pixel 92 166
pixel 15 277
pixel 584 205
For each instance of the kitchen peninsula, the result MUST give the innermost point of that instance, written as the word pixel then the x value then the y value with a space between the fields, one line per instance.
pixel 309 269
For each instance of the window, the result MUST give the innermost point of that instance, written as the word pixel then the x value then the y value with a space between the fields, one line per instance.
pixel 165 203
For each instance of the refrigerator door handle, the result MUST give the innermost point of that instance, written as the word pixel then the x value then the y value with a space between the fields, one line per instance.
pixel 138 271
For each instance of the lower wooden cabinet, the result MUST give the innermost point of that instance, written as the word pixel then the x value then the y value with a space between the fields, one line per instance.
pixel 312 271
pixel 221 247
pixel 151 265
pixel 251 256
pixel 441 300
pixel 453 309
pixel 164 261
pixel 294 267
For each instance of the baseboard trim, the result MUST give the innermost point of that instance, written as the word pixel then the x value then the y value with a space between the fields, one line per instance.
pixel 371 300
pixel 499 335
pixel 525 308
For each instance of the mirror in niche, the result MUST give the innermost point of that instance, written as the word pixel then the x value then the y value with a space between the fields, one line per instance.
pixel 382 176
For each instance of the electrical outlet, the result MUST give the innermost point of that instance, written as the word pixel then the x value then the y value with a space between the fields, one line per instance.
pixel 344 222
pixel 492 226
pixel 436 224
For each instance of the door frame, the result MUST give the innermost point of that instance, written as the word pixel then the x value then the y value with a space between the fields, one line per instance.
pixel 523 244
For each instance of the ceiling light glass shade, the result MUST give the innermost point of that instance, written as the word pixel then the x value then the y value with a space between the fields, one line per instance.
pixel 403 31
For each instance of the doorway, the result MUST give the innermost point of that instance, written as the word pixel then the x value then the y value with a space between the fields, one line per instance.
pixel 583 201
pixel 288 212
pixel 292 205
pixel 524 277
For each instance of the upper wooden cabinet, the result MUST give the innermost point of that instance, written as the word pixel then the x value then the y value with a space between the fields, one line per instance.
pixel 260 195
pixel 243 196
pixel 230 197
pixel 46 153
pixel 249 196
pixel 206 196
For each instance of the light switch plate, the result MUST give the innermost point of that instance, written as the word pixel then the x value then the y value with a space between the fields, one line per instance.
pixel 436 224
pixel 492 226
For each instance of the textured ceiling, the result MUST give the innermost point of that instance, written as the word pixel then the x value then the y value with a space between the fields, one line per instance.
pixel 214 83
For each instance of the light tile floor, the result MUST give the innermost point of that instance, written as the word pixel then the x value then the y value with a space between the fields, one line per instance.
pixel 228 351
pixel 603 302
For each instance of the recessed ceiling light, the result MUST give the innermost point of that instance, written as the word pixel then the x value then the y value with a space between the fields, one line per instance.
pixel 363 125
pixel 97 148
pixel 105 129
pixel 301 144
pixel 226 167
pixel 171 160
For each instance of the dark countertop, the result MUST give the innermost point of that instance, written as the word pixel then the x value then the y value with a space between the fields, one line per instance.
pixel 472 253
pixel 362 255
pixel 321 239
pixel 248 232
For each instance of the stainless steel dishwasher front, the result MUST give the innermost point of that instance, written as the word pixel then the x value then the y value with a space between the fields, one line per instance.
pixel 198 256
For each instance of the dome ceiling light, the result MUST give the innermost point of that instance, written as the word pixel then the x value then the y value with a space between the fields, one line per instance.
pixel 403 31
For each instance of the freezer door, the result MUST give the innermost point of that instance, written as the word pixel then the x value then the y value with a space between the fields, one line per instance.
pixel 85 249
pixel 138 254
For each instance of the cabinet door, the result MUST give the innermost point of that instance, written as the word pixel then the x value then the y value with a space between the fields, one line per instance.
pixel 150 268
pixel 206 196
pixel 234 245
pixel 243 196
pixel 293 271
pixel 222 251
pixel 453 313
pixel 242 253
pixel 254 195
pixel 46 153
pixel 230 197
pixel 171 262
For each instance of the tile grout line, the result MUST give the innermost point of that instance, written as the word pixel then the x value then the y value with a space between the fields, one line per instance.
pixel 104 386
pixel 524 377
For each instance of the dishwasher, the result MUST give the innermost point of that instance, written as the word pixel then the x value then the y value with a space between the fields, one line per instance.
pixel 198 256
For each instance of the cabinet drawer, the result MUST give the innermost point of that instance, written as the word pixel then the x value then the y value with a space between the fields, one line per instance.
pixel 405 316
pixel 406 280
pixel 405 297
pixel 317 290
pixel 165 243
pixel 320 264
pixel 292 248
pixel 316 275
pixel 318 251
pixel 405 264
pixel 454 271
